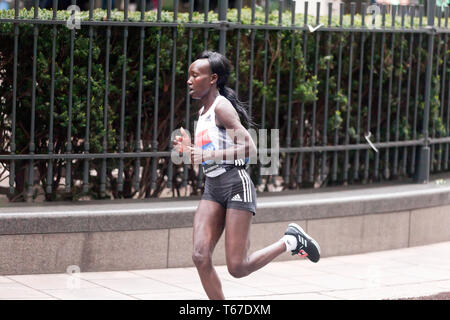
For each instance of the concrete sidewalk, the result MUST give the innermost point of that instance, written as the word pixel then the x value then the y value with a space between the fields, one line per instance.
pixel 409 272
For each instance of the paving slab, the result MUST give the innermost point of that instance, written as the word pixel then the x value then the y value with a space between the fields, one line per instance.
pixel 392 274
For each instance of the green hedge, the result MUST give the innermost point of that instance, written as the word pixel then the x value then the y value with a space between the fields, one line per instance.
pixel 306 89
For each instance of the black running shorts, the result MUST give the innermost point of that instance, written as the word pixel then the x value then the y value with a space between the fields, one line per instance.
pixel 233 189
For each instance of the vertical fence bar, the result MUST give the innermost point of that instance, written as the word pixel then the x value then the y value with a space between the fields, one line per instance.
pixel 399 94
pixel 369 106
pixel 238 42
pixel 137 171
pixel 423 165
pixel 106 104
pixel 205 31
pixel 408 93
pixel 223 8
pixel 442 100
pixel 12 163
pixel 205 46
pixel 448 104
pixel 32 146
pixel 433 121
pixel 439 13
pixel 277 100
pixel 88 102
pixel 444 72
pixel 327 80
pixel 69 125
pixel 302 106
pixel 380 91
pixel 156 107
pixel 358 119
pixel 252 59
pixel 338 89
pixel 172 91
pixel 279 53
pixel 349 94
pixel 48 188
pixel 389 96
pixel 416 97
pixel 291 79
pixel 313 133
pixel 188 99
pixel 263 107
pixel 438 16
pixel 122 103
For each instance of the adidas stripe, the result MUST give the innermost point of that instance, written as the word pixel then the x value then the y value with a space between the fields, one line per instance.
pixel 249 184
pixel 303 241
pixel 246 183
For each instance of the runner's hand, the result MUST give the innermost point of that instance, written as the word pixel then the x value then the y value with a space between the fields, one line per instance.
pixel 180 143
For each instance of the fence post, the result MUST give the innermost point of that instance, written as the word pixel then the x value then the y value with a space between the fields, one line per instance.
pixel 422 172
pixel 223 8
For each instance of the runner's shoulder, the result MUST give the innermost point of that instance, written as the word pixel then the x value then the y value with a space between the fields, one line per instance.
pixel 224 106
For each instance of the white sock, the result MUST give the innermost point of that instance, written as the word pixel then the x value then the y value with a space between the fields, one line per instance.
pixel 290 242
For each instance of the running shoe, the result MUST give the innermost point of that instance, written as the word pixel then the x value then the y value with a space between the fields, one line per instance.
pixel 306 246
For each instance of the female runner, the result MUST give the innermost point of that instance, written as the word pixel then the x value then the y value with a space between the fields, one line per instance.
pixel 222 146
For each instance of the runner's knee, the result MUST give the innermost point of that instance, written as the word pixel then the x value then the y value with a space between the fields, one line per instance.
pixel 201 258
pixel 237 269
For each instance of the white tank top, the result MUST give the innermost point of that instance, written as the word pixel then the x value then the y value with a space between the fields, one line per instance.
pixel 209 136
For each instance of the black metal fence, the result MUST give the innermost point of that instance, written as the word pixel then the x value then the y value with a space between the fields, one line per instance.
pixel 353 102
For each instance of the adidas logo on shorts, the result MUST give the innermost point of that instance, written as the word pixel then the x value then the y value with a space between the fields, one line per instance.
pixel 237 197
